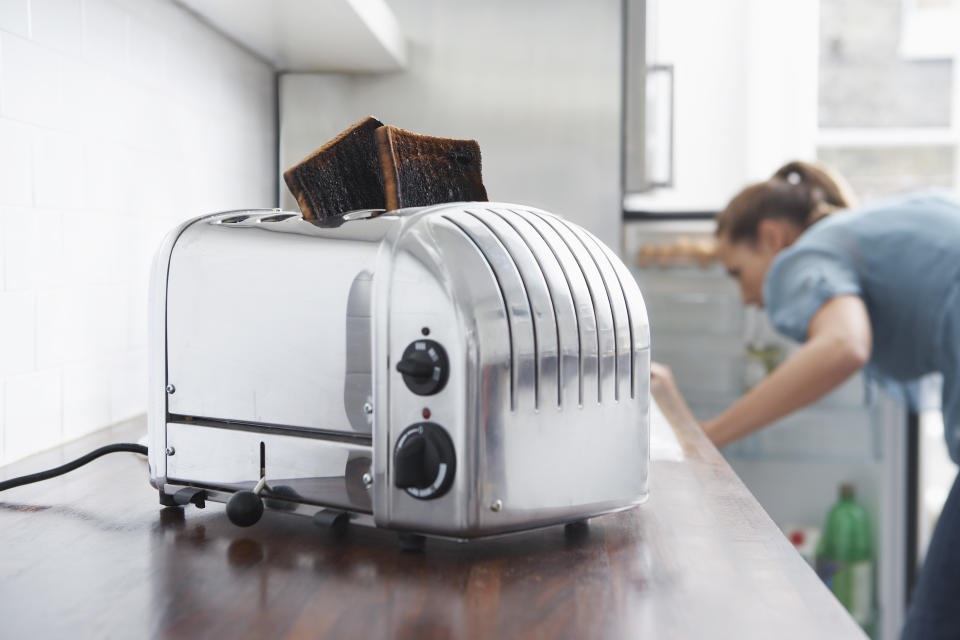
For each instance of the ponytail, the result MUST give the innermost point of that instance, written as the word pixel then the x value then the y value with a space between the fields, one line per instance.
pixel 798 192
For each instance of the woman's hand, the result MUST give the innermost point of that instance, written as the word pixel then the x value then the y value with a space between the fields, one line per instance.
pixel 664 390
pixel 662 384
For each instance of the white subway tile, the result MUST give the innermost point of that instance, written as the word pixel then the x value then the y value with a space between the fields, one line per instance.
pixel 79 324
pixel 3 415
pixel 16 162
pixel 105 320
pixel 91 247
pixel 58 173
pixel 31 82
pixel 14 17
pixel 106 171
pixel 137 305
pixel 32 249
pixel 86 398
pixel 17 332
pixel 32 413
pixel 60 327
pixel 128 387
pixel 81 113
pixel 57 24
pixel 147 53
pixel 104 34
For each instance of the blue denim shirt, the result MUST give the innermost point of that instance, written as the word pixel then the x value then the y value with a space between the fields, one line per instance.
pixel 902 257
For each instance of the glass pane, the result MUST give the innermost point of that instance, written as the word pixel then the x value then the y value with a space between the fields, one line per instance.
pixel 865 81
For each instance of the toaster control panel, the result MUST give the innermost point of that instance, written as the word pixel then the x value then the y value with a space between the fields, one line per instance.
pixel 425 367
pixel 424 461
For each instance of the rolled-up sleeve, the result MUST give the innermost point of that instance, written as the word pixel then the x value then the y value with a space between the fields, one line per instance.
pixel 800 282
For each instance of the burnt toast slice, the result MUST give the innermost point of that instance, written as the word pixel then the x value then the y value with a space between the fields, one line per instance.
pixel 342 175
pixel 423 170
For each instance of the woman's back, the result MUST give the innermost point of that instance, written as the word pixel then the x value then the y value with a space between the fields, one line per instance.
pixel 902 257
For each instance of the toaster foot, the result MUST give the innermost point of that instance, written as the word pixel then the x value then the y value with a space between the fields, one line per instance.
pixel 577 530
pixel 166 499
pixel 411 541
pixel 335 521
pixel 191 495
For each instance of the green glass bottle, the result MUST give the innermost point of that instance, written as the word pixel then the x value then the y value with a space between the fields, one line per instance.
pixel 845 557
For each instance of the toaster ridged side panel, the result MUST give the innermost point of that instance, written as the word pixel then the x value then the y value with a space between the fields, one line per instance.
pixel 595 321
pixel 532 250
pixel 547 346
pixel 639 322
pixel 523 338
pixel 622 331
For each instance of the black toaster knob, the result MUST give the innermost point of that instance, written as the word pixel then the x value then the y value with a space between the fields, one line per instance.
pixel 424 461
pixel 424 366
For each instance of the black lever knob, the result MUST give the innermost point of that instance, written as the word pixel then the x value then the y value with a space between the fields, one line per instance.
pixel 418 462
pixel 424 461
pixel 424 366
pixel 244 508
pixel 417 366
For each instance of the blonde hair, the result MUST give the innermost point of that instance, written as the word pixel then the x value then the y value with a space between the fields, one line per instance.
pixel 799 192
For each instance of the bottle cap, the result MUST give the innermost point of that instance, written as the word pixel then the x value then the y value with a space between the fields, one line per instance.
pixel 847 491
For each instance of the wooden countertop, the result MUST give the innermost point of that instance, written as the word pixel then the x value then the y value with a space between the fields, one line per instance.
pixel 92 554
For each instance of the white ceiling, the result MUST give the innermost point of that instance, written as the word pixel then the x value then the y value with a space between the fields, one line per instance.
pixel 311 35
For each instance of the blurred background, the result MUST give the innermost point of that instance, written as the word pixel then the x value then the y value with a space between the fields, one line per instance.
pixel 635 118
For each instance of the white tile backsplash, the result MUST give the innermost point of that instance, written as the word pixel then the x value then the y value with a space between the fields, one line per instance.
pixel 15 17
pixel 58 171
pixel 86 398
pixel 17 332
pixel 33 420
pixel 32 248
pixel 31 82
pixel 16 163
pixel 57 24
pixel 118 119
pixel 104 34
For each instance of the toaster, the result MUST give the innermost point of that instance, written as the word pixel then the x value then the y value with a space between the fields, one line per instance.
pixel 458 370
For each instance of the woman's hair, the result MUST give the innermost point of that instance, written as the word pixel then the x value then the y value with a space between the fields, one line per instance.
pixel 799 192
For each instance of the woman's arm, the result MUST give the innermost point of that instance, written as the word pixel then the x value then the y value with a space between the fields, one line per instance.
pixel 839 341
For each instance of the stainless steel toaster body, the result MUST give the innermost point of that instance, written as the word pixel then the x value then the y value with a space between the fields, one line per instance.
pixel 460 370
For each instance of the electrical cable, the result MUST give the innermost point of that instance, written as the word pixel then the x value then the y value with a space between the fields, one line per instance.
pixel 70 466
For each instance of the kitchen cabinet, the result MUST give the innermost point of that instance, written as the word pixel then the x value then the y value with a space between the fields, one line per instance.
pixel 717 94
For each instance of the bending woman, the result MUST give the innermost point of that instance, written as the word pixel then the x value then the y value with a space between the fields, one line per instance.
pixel 878 287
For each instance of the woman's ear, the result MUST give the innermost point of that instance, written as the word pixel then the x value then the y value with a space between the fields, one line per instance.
pixel 774 234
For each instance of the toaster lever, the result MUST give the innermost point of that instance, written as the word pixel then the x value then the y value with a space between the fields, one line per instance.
pixel 416 368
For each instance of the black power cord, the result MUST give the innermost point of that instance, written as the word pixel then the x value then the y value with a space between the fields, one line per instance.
pixel 70 466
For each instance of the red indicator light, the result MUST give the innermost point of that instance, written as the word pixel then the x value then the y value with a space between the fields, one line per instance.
pixel 426 413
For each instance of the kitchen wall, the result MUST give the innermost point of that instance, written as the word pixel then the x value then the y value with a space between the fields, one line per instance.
pixel 537 83
pixel 117 120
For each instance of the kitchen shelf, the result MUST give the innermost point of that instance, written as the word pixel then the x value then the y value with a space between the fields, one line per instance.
pixel 356 36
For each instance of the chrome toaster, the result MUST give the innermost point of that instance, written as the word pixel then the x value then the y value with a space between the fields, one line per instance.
pixel 459 370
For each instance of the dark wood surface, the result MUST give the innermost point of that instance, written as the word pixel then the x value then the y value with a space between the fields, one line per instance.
pixel 92 555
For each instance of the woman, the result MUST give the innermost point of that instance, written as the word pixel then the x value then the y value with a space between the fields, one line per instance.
pixel 875 287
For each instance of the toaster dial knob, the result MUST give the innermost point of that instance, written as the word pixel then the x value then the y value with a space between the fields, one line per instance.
pixel 424 461
pixel 424 366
